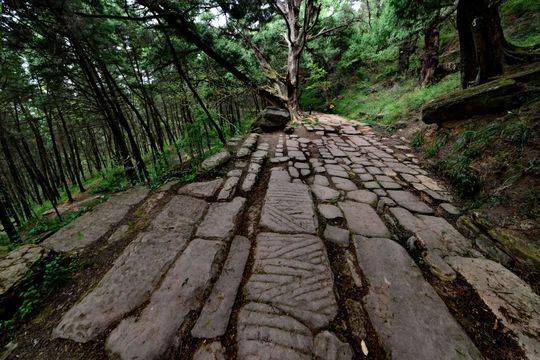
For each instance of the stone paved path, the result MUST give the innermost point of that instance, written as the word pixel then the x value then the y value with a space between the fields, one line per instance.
pixel 323 244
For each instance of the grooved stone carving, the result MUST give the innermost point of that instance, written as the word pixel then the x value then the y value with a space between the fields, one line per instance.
pixel 292 273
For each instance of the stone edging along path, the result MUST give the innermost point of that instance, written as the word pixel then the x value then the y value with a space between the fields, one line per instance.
pixel 316 245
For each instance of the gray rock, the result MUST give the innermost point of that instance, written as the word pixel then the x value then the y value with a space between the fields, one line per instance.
pixel 371 185
pixel 118 234
pixel 265 333
pixel 221 220
pixel 509 298
pixel 374 170
pixel 344 184
pixel 292 273
pixel 216 160
pixel 235 172
pixel 434 233
pixel 288 209
pixel 215 315
pixel 363 196
pixel 390 185
pixel 210 351
pixel 409 201
pixel 205 189
pixel 327 346
pixel 135 273
pixel 449 209
pixel 324 193
pixel 330 212
pixel 294 172
pixel 249 182
pixel 363 220
pixel 254 168
pixel 337 235
pixel 272 118
pixel 149 334
pixel 320 180
pixel 366 177
pixel 380 192
pixel 228 188
pixel 297 155
pixel 83 231
pixel 411 321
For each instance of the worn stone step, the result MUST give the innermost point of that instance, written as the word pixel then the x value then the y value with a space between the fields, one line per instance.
pixel 83 231
pixel 214 317
pixel 135 273
pixel 265 333
pixel 292 273
pixel 509 298
pixel 150 334
pixel 363 220
pixel 288 207
pixel 411 320
pixel 221 220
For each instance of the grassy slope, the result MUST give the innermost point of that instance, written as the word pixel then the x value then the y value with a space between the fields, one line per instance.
pixel 399 99
pixel 492 162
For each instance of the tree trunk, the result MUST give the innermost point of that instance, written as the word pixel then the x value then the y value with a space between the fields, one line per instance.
pixel 430 59
pixel 57 156
pixel 481 41
pixel 5 219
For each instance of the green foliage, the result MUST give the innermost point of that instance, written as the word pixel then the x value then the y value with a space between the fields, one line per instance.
pixel 113 180
pixel 474 143
pixel 520 21
pixel 47 224
pixel 393 102
pixel 432 149
pixel 41 281
pixel 417 140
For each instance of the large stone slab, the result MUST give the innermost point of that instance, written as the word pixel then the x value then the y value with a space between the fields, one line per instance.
pixel 180 214
pixel 292 273
pixel 409 201
pixel 216 160
pixel 221 219
pixel 510 299
pixel 83 231
pixel 434 234
pixel 363 220
pixel 134 274
pixel 410 319
pixel 205 189
pixel 288 208
pixel 150 334
pixel 214 317
pixel 264 333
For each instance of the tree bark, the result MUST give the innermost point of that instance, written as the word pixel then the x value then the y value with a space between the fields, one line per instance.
pixel 481 41
pixel 430 59
pixel 5 219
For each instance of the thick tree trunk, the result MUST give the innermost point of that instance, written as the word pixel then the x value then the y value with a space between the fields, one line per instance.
pixel 430 59
pixel 481 41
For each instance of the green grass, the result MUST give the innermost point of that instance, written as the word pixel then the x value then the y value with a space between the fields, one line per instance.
pixel 388 105
pixel 520 20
